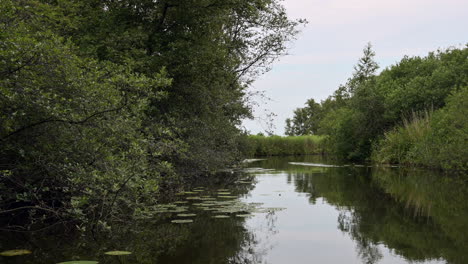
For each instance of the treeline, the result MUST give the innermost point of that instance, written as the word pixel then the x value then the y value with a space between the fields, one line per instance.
pixel 107 105
pixel 414 112
pixel 263 146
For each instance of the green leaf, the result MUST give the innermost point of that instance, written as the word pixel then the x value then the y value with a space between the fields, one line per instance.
pixel 117 253
pixel 15 252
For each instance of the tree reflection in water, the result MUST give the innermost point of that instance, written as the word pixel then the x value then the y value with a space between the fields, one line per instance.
pixel 417 214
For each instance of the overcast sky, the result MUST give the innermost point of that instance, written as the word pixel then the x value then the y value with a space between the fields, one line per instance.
pixel 329 46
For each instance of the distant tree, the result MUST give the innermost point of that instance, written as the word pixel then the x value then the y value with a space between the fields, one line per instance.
pixel 305 121
pixel 363 70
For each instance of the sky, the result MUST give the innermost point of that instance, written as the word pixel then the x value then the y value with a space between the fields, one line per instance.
pixel 331 43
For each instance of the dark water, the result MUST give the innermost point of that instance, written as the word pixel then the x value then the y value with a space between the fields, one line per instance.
pixel 332 215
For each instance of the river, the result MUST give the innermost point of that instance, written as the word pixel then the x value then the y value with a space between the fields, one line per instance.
pixel 285 210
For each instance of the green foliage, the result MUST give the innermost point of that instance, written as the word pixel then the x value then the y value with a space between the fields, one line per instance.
pixel 107 105
pixel 436 140
pixel 361 112
pixel 258 146
pixel 72 127
pixel 306 120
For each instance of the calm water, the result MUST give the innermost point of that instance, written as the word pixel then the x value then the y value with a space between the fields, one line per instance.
pixel 348 214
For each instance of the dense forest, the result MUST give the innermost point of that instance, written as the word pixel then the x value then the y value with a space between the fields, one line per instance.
pixel 414 112
pixel 105 106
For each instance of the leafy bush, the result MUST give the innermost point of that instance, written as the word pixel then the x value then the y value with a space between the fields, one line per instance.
pixel 436 140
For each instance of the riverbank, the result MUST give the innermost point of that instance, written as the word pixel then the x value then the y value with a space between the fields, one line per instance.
pixel 264 146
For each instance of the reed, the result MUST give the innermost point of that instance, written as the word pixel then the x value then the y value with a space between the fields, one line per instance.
pixel 261 146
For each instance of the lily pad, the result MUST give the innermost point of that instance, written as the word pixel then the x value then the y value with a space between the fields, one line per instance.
pixel 79 262
pixel 227 196
pixel 186 215
pixel 243 215
pixel 220 216
pixel 118 253
pixel 182 221
pixel 15 252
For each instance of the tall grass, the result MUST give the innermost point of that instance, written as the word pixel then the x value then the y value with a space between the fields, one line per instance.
pixel 261 146
pixel 397 143
pixel 437 140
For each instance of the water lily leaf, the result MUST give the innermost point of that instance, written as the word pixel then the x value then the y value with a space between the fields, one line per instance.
pixel 15 252
pixel 227 196
pixel 243 215
pixel 207 199
pixel 193 198
pixel 118 253
pixel 220 216
pixel 182 221
pixel 186 215
pixel 79 262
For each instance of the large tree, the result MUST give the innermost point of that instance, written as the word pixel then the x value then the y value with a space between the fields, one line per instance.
pixel 108 103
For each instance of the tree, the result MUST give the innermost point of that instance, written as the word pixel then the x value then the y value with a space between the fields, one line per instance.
pixel 305 121
pixel 364 70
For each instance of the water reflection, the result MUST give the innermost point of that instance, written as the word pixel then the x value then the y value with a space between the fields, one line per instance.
pixel 151 240
pixel 351 214
pixel 417 214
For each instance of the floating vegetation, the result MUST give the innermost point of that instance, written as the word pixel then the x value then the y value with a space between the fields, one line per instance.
pixel 221 206
pixel 220 216
pixel 178 210
pixel 255 170
pixel 186 215
pixel 182 221
pixel 269 210
pixel 207 199
pixel 251 160
pixel 193 198
pixel 243 182
pixel 118 253
pixel 79 262
pixel 243 215
pixel 314 164
pixel 209 209
pixel 15 252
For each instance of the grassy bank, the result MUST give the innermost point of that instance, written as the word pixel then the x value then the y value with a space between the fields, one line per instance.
pixel 431 139
pixel 261 146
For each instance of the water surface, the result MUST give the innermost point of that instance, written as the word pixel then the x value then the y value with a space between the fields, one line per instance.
pixel 305 213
